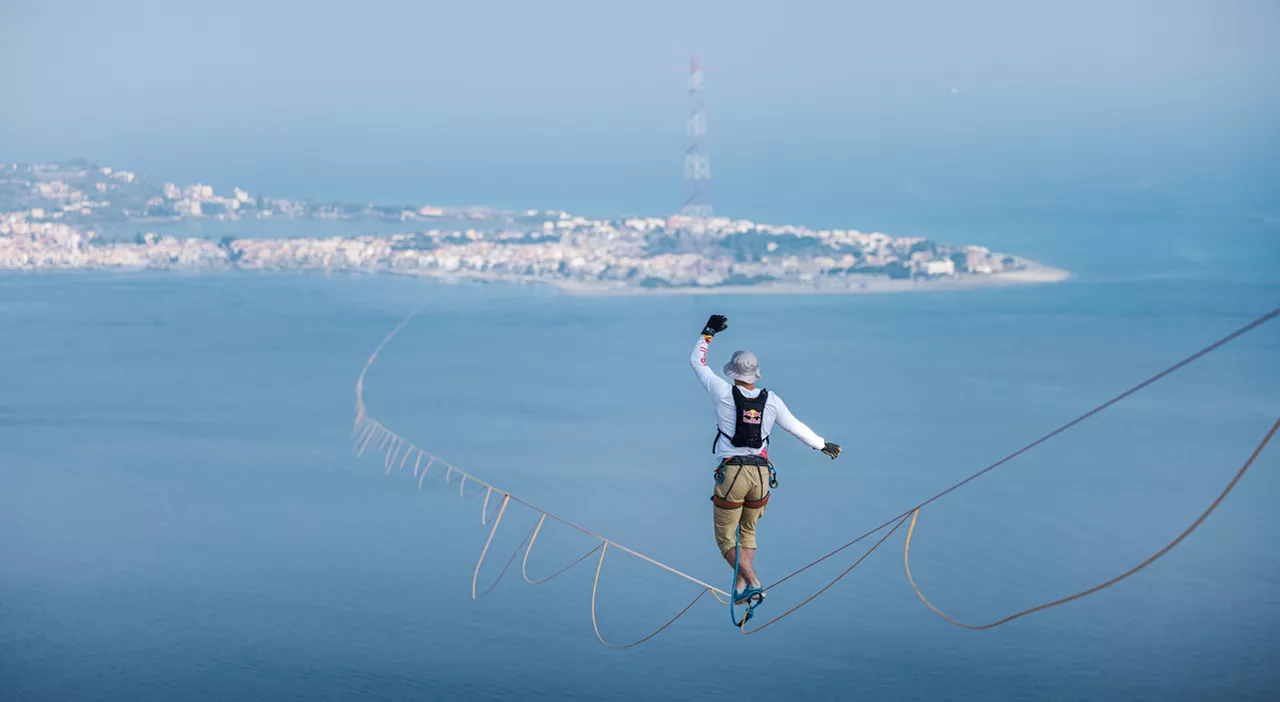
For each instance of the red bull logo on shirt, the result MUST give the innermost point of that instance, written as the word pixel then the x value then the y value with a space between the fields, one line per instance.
pixel 751 416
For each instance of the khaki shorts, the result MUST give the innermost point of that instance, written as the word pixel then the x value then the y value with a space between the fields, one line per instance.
pixel 741 483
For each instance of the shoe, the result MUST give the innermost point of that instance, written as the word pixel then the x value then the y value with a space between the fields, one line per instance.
pixel 752 593
pixel 740 596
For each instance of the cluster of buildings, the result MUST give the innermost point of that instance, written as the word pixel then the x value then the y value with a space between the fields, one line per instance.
pixel 51 245
pixel 200 201
pixel 86 195
pixel 60 198
pixel 616 254
pixel 37 232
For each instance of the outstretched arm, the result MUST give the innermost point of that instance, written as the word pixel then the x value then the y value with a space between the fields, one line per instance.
pixel 795 427
pixel 711 382
pixel 801 431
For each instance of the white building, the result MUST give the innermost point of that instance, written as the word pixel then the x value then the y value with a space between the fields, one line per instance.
pixel 944 267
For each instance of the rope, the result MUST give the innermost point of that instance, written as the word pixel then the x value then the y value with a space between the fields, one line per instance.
pixel 367 437
pixel 391 457
pixel 1045 437
pixel 906 551
pixel 368 433
pixel 367 429
pixel 525 563
pixel 531 536
pixel 451 469
pixel 828 586
pixel 424 471
pixel 595 625
pixel 360 408
pixel 497 520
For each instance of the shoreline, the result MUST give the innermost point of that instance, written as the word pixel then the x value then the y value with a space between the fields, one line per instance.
pixel 54 218
pixel 867 285
pixel 1034 274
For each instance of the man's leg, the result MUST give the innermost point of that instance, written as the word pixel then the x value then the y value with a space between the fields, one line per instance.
pixel 736 528
pixel 758 490
pixel 746 574
pixel 727 521
pixel 747 545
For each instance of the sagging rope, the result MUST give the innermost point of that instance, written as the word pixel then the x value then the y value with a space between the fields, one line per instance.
pixel 372 427
pixel 369 432
pixel 524 565
pixel 906 552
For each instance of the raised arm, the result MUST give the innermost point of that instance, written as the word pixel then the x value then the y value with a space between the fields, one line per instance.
pixel 711 382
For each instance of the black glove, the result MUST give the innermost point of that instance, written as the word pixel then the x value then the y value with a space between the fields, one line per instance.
pixel 717 323
pixel 832 450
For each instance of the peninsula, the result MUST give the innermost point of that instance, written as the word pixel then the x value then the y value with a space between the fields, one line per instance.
pixel 54 216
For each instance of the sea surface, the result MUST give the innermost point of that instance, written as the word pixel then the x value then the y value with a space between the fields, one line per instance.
pixel 182 516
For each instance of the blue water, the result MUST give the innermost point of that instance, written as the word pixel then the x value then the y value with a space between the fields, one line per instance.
pixel 182 517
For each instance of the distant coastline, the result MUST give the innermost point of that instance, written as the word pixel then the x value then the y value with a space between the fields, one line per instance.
pixel 1034 274
pixel 52 217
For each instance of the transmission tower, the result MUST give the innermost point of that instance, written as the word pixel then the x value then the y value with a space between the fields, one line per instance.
pixel 697 156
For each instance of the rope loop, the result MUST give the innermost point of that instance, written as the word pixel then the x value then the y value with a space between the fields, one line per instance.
pixel 906 552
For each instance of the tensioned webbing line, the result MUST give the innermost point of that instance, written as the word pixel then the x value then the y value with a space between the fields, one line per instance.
pixel 369 433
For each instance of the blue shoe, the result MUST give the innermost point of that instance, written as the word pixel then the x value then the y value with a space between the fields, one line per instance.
pixel 740 596
pixel 753 595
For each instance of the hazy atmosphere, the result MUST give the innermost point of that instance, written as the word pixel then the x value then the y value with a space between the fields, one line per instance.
pixel 314 315
pixel 830 111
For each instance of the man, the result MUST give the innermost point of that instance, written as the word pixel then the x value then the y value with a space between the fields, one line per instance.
pixel 745 415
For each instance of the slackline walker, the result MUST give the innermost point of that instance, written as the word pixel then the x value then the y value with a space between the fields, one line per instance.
pixel 369 434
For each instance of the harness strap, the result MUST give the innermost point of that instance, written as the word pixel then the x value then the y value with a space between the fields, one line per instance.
pixel 757 504
pixel 716 441
pixel 723 503
pixel 749 504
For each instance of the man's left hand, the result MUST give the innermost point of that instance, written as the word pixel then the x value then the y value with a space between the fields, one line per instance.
pixel 832 450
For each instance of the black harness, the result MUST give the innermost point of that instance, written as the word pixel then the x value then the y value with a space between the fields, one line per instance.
pixel 747 421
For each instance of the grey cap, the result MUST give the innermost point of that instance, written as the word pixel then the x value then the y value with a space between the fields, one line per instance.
pixel 743 366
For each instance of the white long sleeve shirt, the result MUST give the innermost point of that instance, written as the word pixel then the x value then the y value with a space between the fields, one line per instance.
pixel 775 410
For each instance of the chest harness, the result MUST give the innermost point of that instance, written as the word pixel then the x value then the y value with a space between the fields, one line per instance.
pixel 747 433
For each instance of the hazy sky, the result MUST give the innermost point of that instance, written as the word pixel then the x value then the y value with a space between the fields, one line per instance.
pixel 581 104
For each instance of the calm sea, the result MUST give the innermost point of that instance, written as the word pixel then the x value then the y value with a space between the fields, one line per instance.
pixel 182 517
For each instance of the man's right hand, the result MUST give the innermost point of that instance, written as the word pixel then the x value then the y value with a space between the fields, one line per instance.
pixel 832 450
pixel 717 323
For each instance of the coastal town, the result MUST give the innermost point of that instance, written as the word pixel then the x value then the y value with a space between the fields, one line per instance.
pixel 53 216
